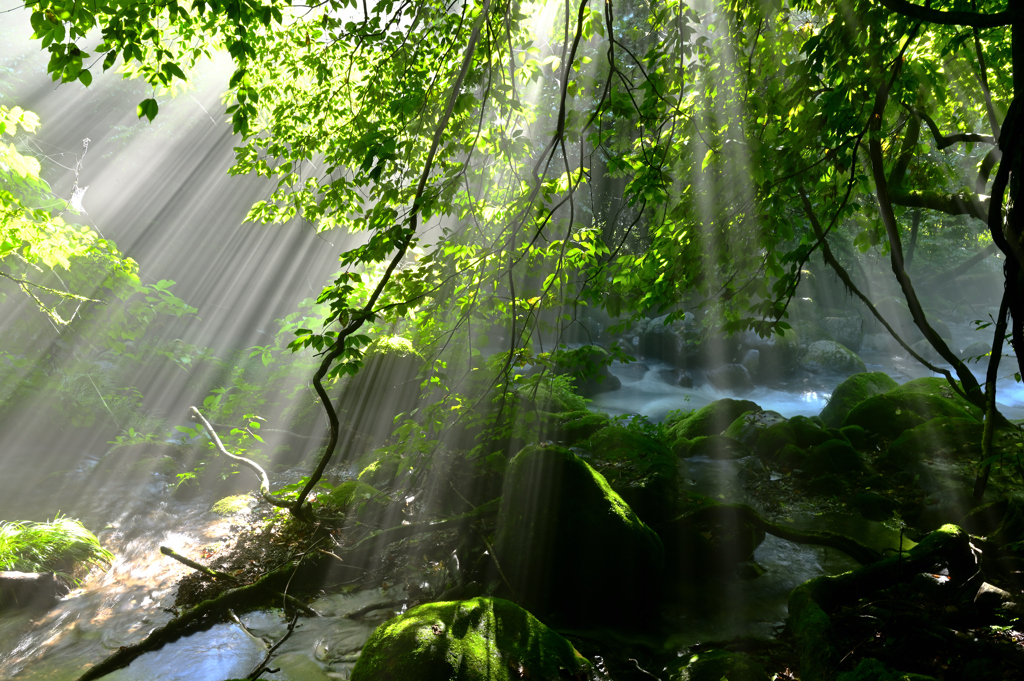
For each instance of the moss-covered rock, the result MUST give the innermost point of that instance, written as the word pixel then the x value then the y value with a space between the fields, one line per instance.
pixel 642 470
pixel 829 485
pixel 958 437
pixel 575 426
pixel 748 426
pixel 712 419
pixel 715 665
pixel 808 433
pixel 571 548
pixel 234 504
pixel 791 456
pixel 353 497
pixel 882 416
pixel 709 539
pixel 873 505
pixel 852 392
pixel 773 439
pixel 870 669
pixel 834 456
pixel 482 639
pixel 717 447
pixel 587 366
pixel 856 436
pixel 832 358
pixel 932 396
pixel 382 469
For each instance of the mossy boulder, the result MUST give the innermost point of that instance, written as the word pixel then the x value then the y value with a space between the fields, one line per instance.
pixel 642 470
pixel 575 426
pixel 873 506
pixel 711 419
pixel 856 436
pixel 870 669
pixel 717 447
pixel 232 505
pixel 834 456
pixel 773 439
pixel 482 639
pixel 587 366
pixel 709 539
pixel 944 436
pixel 882 416
pixel 808 433
pixel 572 550
pixel 852 392
pixel 382 469
pixel 748 426
pixel 933 396
pixel 354 497
pixel 832 358
pixel 791 456
pixel 715 665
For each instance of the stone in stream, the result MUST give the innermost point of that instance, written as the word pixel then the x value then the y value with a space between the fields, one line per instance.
pixel 977 353
pixel 852 392
pixel 712 419
pixel 29 589
pixel 944 437
pixel 716 447
pixel 846 330
pixel 572 550
pixel 715 665
pixel 833 358
pixel 587 366
pixel 908 406
pixel 481 639
pixel 834 456
pixel 734 377
pixel 777 355
pixel 748 426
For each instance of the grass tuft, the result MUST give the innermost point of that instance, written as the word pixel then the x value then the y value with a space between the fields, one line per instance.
pixel 59 546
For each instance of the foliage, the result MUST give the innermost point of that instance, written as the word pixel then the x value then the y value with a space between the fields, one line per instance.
pixel 60 545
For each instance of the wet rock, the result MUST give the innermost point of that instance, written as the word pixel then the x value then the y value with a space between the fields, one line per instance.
pixel 834 456
pixel 828 486
pixel 717 447
pixel 808 433
pixel 678 377
pixel 482 639
pixel 976 353
pixel 747 427
pixel 852 392
pixel 642 470
pixel 715 665
pixel 572 549
pixel 234 504
pixel 773 439
pixel 587 365
pixel 944 436
pixel 354 497
pixel 29 589
pixel 991 597
pixel 848 331
pixel 777 354
pixel 710 540
pixel 856 435
pixel 574 427
pixel 752 362
pixel 832 358
pixel 734 377
pixel 882 416
pixel 926 396
pixel 873 506
pixel 711 419
pixel 675 343
pixel 792 457
pixel 930 354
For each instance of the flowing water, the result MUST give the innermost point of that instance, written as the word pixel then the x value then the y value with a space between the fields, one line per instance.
pixel 120 606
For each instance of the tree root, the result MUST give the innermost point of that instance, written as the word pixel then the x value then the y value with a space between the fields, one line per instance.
pixel 809 603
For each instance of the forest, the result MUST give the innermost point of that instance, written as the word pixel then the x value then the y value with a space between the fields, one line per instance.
pixel 482 340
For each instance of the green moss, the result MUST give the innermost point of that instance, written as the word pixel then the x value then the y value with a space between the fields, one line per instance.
pixel 393 345
pixel 717 447
pixel 960 437
pixel 873 505
pixel 807 432
pixel 642 470
pixel 712 419
pixel 229 506
pixel 834 456
pixel 352 496
pixel 576 426
pixel 482 639
pixel 747 428
pixel 564 535
pixel 773 439
pixel 791 456
pixel 852 392
pixel 831 357
pixel 381 471
pixel 855 435
pixel 943 401
pixel 883 416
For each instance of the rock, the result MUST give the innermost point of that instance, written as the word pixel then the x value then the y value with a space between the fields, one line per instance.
pixel 856 435
pixel 711 419
pixel 232 505
pixel 715 665
pixel 977 353
pixel 572 550
pixel 939 438
pixel 930 354
pixel 673 343
pixel 717 447
pixel 809 332
pixel 752 362
pixel 990 597
pixel 354 497
pixel 381 471
pixel 807 432
pixel 30 589
pixel 711 539
pixel 747 427
pixel 482 639
pixel 848 331
pixel 830 485
pixel 882 416
pixel 576 426
pixel 642 470
pixel 792 457
pixel 880 342
pixel 732 377
pixel 834 456
pixel 679 377
pixel 777 354
pixel 873 506
pixel 773 439
pixel 852 392
pixel 832 358
pixel 933 396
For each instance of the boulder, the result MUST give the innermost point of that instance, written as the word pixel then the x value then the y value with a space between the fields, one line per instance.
pixel 587 365
pixel 930 354
pixel 710 540
pixel 916 394
pixel 30 590
pixel 572 550
pixel 481 639
pixel 731 377
pixel 675 343
pixel 807 432
pixel 882 416
pixel 773 439
pixel 939 437
pixel 717 447
pixel 852 392
pixel 575 426
pixel 747 427
pixel 752 362
pixel 846 330
pixel 977 353
pixel 834 457
pixel 833 358
pixel 711 419
pixel 642 470
pixel 777 355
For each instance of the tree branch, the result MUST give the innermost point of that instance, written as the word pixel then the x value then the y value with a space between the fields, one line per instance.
pixel 953 17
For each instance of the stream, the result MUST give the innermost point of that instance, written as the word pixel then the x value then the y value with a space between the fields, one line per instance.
pixel 120 606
